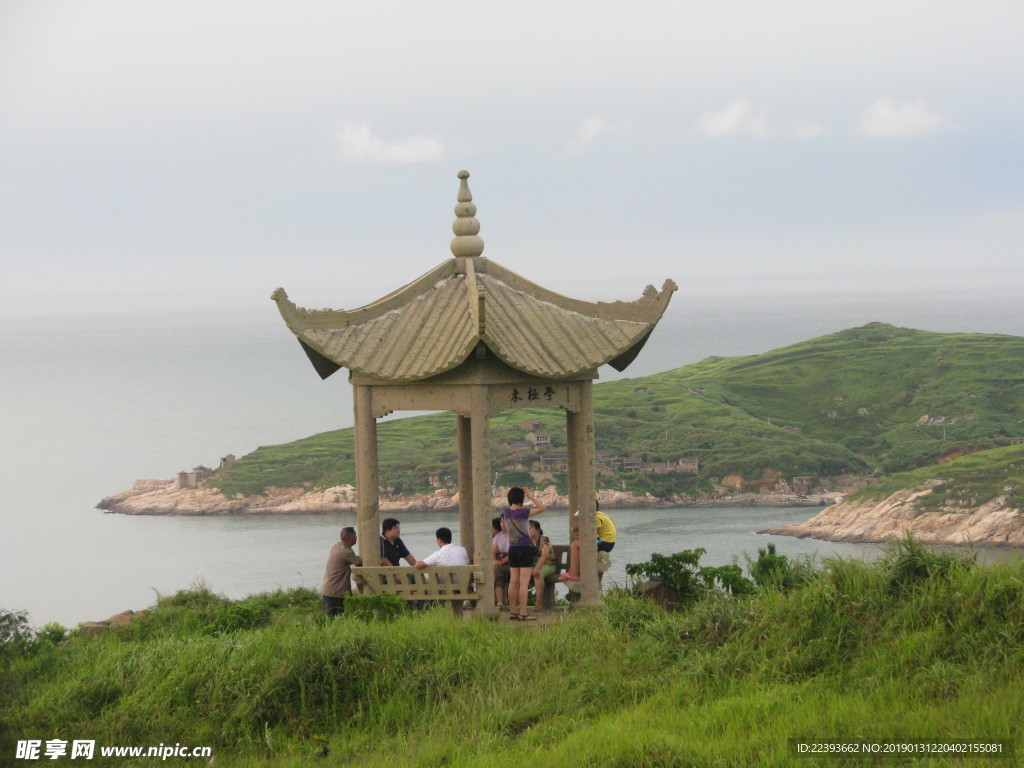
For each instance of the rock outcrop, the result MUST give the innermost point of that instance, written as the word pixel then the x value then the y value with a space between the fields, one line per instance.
pixel 123 619
pixel 993 524
pixel 168 499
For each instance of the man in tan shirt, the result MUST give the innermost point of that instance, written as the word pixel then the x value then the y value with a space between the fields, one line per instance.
pixel 338 576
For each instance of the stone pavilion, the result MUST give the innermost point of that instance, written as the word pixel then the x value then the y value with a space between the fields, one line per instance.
pixel 473 337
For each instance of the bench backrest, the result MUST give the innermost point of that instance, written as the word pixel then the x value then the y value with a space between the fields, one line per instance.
pixel 561 560
pixel 438 582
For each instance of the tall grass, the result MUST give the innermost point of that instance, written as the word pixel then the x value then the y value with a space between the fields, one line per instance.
pixel 916 646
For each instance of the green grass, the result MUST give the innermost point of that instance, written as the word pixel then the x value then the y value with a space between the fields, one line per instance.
pixel 966 482
pixel 846 403
pixel 915 646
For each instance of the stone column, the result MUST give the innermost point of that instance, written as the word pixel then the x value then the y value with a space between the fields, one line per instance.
pixel 572 428
pixel 482 512
pixel 465 445
pixel 590 586
pixel 367 477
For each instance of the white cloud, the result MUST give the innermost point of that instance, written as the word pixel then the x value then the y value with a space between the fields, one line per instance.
pixel 594 128
pixel 893 119
pixel 741 118
pixel 807 130
pixel 356 143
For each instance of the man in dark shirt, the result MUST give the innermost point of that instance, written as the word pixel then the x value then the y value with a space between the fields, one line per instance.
pixel 392 548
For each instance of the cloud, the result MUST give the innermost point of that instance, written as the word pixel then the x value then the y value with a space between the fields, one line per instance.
pixel 893 119
pixel 356 143
pixel 741 118
pixel 807 130
pixel 594 128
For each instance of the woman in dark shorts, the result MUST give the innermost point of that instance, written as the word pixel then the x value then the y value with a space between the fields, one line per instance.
pixel 521 551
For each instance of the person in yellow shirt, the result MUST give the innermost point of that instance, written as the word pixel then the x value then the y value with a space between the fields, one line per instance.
pixel 605 543
pixel 605 532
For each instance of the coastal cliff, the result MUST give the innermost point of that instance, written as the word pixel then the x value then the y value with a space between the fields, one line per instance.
pixel 973 499
pixel 993 524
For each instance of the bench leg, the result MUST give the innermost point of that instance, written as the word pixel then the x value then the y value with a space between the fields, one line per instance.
pixel 548 598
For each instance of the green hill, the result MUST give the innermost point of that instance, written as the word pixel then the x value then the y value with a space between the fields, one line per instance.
pixel 870 400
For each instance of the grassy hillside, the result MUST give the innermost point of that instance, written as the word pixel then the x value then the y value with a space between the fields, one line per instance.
pixel 865 400
pixel 966 482
pixel 869 389
pixel 917 647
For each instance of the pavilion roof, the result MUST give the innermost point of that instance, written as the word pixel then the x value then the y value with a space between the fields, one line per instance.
pixel 434 323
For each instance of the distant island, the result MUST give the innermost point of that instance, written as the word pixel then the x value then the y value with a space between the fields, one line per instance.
pixel 807 424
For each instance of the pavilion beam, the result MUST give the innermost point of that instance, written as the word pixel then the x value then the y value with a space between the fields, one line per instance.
pixel 590 587
pixel 367 476
pixel 465 447
pixel 481 472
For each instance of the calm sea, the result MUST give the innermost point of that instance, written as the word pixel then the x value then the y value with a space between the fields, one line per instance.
pixel 90 404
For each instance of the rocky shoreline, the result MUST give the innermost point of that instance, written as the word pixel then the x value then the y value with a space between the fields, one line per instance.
pixel 993 524
pixel 163 497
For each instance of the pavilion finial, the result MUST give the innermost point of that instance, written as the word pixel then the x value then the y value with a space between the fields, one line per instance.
pixel 466 228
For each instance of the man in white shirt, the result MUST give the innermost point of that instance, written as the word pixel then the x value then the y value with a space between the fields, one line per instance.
pixel 448 554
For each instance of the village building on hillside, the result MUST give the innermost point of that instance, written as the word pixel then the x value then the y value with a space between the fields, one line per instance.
pixel 803 485
pixel 193 478
pixel 554 462
pixel 607 462
pixel 535 434
pixel 539 440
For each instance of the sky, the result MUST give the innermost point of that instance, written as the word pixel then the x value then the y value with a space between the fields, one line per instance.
pixel 196 154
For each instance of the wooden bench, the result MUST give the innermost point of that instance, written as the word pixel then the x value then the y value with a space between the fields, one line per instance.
pixel 453 584
pixel 561 560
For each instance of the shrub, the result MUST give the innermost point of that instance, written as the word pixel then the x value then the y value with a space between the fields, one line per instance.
pixel 692 582
pixel 728 579
pixel 52 633
pixel 16 633
pixel 909 563
pixel 771 569
pixel 200 611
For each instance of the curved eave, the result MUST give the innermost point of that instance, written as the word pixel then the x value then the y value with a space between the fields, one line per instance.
pixel 422 335
pixel 647 309
pixel 300 319
pixel 553 340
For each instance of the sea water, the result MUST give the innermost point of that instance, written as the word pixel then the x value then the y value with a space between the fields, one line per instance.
pixel 92 403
